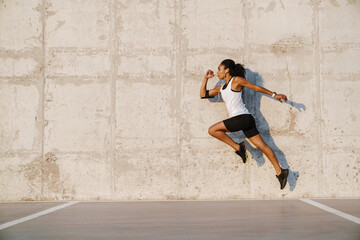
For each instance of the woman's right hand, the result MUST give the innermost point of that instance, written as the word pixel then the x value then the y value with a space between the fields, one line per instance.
pixel 209 74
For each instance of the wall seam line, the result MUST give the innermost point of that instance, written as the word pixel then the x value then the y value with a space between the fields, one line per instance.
pixel 42 93
pixel 178 90
pixel 318 97
pixel 112 96
pixel 246 60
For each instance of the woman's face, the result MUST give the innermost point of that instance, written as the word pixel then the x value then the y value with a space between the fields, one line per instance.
pixel 221 71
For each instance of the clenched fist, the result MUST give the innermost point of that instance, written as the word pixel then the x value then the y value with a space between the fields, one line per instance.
pixel 209 74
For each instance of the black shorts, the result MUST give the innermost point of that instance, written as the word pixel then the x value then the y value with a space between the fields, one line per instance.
pixel 243 122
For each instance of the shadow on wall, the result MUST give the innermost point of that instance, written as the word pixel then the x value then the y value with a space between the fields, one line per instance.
pixel 252 101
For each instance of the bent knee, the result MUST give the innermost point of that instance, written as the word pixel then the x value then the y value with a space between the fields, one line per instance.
pixel 211 131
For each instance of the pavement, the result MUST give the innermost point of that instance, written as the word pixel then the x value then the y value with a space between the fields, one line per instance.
pixel 199 219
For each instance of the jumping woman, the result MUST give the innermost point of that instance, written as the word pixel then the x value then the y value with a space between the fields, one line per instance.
pixel 240 117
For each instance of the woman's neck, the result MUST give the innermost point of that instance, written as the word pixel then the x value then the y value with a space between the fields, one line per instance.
pixel 228 78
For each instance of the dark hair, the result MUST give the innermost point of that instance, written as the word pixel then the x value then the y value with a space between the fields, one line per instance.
pixel 234 69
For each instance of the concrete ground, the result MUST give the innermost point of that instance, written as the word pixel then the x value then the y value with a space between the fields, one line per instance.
pixel 232 219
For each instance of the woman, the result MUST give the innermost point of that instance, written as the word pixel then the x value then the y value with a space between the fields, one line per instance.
pixel 240 117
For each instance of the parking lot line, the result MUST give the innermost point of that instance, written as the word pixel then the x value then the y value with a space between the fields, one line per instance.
pixel 27 218
pixel 332 210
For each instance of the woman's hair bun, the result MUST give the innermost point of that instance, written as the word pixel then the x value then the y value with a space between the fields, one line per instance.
pixel 239 70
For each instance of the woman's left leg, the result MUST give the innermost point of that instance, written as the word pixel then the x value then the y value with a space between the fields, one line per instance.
pixel 258 141
pixel 218 130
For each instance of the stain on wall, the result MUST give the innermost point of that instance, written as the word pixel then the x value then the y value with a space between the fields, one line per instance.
pixel 288 45
pixel 46 171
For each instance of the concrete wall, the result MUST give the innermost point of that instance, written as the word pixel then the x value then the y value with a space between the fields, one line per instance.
pixel 100 99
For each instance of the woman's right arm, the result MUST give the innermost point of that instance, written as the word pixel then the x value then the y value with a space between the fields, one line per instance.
pixel 208 93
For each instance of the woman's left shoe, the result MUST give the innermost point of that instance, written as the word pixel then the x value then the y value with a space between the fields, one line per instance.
pixel 242 152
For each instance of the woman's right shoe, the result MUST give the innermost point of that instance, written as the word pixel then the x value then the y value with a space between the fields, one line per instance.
pixel 242 152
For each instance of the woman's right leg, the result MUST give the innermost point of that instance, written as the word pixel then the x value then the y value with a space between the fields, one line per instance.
pixel 258 141
pixel 218 130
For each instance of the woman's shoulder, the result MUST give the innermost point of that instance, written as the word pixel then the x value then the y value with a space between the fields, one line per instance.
pixel 239 79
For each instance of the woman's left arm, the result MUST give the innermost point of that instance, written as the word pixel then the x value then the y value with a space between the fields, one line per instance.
pixel 245 83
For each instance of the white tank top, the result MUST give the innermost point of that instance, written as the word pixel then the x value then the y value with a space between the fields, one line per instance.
pixel 233 100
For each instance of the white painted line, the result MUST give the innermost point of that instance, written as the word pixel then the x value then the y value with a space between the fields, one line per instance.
pixel 332 210
pixel 59 201
pixel 20 220
pixel 338 198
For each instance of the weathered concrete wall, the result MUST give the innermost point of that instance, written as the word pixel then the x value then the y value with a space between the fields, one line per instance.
pixel 100 99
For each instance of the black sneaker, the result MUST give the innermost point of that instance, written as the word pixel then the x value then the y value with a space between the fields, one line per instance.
pixel 283 177
pixel 242 152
